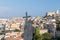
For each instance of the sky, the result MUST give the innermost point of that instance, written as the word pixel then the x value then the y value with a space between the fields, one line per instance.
pixel 17 8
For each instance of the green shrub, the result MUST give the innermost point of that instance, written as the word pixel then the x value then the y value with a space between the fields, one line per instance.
pixel 16 30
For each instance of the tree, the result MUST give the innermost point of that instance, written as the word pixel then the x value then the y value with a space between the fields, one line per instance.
pixel 47 36
pixel 36 35
pixel 16 30
pixel 58 25
pixel 58 38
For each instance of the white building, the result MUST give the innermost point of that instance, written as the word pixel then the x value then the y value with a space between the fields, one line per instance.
pixel 1 27
pixel 54 13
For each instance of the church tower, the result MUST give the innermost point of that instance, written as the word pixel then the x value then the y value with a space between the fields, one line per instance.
pixel 28 29
pixel 57 11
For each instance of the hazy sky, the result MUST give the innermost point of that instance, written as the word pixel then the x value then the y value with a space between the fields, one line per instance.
pixel 17 8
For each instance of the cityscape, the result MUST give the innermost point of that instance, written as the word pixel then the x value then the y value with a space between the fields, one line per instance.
pixel 24 28
pixel 29 20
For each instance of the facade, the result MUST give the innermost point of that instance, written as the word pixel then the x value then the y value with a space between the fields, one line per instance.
pixel 15 26
pixel 1 27
pixel 14 36
pixel 54 13
pixel 42 31
pixel 28 31
pixel 51 26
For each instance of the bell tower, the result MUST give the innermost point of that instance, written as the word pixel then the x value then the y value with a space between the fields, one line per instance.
pixel 28 29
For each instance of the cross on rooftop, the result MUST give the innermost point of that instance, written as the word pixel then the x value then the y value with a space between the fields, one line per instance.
pixel 26 16
pixel 26 21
